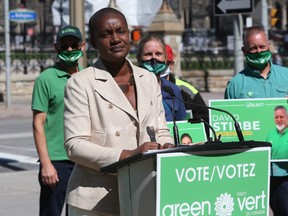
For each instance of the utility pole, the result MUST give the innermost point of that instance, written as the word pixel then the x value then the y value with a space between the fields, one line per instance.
pixel 61 13
pixel 264 17
pixel 7 54
pixel 238 55
pixel 77 19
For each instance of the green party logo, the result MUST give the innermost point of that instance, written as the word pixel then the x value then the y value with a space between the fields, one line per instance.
pixel 224 205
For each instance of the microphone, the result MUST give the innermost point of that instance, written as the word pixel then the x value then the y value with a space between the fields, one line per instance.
pixel 169 90
pixel 236 124
pixel 151 133
pixel 195 121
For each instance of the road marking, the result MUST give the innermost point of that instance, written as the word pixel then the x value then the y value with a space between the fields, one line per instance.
pixel 16 135
pixel 18 148
pixel 19 158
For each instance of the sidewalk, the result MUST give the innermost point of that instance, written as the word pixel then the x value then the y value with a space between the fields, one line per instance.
pixel 19 108
pixel 212 96
pixel 19 192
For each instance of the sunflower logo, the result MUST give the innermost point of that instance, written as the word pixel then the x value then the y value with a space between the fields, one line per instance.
pixel 224 205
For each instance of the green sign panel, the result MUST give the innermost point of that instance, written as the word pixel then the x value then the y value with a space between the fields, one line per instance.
pixel 196 131
pixel 215 183
pixel 255 116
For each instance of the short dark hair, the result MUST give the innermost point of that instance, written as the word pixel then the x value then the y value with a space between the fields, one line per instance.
pixel 251 31
pixel 93 20
pixel 280 107
pixel 186 135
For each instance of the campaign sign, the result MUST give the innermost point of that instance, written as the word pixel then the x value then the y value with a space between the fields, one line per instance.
pixel 255 116
pixel 196 131
pixel 224 182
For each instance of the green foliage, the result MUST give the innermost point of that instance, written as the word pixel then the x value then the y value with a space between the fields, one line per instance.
pixel 206 62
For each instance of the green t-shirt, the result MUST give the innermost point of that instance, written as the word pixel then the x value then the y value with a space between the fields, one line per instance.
pixel 279 150
pixel 48 97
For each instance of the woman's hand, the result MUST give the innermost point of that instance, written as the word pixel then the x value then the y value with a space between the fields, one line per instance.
pixel 144 148
pixel 168 145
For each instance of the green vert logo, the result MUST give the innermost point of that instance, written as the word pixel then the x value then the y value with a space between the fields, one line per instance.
pixel 224 205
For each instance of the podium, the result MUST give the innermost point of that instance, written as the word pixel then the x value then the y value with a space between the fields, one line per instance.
pixel 210 179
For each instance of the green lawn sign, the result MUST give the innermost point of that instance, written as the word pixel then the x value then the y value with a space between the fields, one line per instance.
pixel 222 182
pixel 255 116
pixel 196 131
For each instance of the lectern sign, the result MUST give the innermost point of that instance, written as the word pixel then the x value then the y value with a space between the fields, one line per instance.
pixel 222 183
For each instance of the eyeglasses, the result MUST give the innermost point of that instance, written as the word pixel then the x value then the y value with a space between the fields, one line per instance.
pixel 73 46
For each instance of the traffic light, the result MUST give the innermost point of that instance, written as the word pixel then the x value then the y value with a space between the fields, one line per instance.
pixel 136 35
pixel 275 17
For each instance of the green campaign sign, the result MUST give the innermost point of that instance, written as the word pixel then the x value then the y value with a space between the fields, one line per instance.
pixel 255 116
pixel 224 182
pixel 196 131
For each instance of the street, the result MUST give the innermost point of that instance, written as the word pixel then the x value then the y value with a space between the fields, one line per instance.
pixel 17 149
pixel 18 161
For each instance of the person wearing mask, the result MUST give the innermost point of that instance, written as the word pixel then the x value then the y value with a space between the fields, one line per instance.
pixel 151 55
pixel 108 108
pixel 191 96
pixel 278 137
pixel 48 121
pixel 260 78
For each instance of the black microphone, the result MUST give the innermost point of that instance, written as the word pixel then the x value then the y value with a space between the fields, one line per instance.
pixel 169 90
pixel 236 124
pixel 151 133
pixel 197 120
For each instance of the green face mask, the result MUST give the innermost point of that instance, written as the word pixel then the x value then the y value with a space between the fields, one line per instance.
pixel 154 66
pixel 70 58
pixel 258 60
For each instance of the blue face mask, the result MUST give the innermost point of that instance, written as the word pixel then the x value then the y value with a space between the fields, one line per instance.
pixel 154 66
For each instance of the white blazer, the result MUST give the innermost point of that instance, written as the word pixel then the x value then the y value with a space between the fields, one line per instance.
pixel 99 123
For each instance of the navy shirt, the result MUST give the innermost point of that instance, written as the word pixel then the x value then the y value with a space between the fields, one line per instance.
pixel 179 106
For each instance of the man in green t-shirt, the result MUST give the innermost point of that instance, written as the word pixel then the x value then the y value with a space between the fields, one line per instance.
pixel 48 121
pixel 279 171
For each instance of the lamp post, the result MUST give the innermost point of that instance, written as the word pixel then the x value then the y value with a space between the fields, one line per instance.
pixel 77 19
pixel 61 13
pixel 112 4
pixel 7 54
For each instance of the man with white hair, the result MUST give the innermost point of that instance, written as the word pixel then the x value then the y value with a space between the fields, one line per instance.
pixel 278 137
